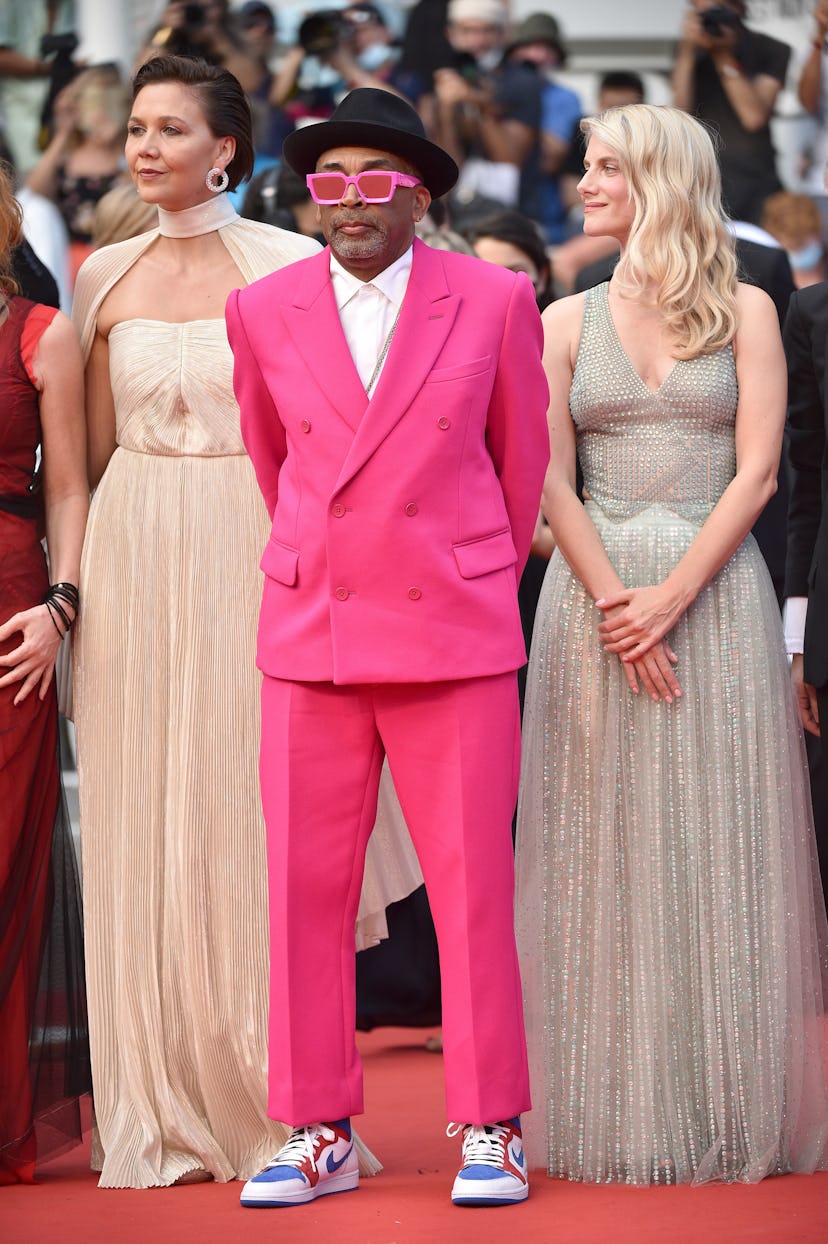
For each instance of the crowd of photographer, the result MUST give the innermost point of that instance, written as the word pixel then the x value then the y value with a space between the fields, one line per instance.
pixel 488 88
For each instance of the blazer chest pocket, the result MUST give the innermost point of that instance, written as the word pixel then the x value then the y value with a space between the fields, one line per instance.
pixel 280 562
pixel 488 553
pixel 461 371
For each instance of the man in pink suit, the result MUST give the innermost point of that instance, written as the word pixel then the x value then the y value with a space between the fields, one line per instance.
pixel 393 404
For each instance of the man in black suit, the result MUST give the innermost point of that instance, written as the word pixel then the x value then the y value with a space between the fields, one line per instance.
pixel 767 267
pixel 806 577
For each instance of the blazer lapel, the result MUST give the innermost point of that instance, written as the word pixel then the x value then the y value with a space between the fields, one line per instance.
pixel 426 318
pixel 313 323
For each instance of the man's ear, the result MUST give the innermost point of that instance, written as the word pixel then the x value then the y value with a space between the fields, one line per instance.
pixel 421 202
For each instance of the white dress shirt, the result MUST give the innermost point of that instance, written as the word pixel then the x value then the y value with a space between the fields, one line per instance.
pixel 793 621
pixel 368 309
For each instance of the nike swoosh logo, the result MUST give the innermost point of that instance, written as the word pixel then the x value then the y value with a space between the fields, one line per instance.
pixel 519 1159
pixel 334 1166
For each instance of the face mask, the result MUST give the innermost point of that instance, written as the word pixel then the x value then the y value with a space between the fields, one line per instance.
pixel 377 54
pixel 806 258
pixel 487 61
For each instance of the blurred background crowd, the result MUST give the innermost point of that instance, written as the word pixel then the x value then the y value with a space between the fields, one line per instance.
pixel 500 84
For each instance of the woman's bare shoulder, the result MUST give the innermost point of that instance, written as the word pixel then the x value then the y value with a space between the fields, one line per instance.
pixel 562 321
pixel 756 314
pixel 751 300
pixel 565 313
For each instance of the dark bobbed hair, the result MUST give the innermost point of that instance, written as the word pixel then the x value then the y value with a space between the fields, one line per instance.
pixel 515 228
pixel 11 231
pixel 623 80
pixel 221 97
pixel 521 232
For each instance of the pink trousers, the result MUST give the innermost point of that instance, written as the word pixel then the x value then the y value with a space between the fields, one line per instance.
pixel 453 752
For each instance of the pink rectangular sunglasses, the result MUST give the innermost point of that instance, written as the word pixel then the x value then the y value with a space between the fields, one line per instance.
pixel 373 185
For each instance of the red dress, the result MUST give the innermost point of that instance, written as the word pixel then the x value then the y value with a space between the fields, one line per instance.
pixel 44 1060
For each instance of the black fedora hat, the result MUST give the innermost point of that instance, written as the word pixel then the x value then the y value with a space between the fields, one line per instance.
pixel 368 117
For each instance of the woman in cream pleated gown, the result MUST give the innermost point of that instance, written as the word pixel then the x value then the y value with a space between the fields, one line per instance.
pixel 166 690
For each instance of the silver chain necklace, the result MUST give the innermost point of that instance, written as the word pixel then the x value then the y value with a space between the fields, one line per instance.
pixel 386 345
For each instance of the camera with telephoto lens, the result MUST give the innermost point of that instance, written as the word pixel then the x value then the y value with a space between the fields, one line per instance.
pixel 322 33
pixel 718 19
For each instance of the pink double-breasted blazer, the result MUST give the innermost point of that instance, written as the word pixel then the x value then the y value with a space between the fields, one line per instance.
pixel 400 523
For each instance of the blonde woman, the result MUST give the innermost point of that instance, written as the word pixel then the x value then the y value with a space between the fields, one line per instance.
pixel 668 923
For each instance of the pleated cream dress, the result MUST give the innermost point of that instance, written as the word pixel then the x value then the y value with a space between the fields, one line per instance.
pixel 670 919
pixel 167 715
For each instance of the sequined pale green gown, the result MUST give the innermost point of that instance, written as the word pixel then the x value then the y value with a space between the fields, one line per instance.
pixel 667 919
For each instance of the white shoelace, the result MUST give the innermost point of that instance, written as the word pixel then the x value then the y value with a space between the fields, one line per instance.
pixel 481 1146
pixel 302 1144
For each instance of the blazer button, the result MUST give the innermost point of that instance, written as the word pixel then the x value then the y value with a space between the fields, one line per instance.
pixel 305 425
pixel 414 593
pixel 411 509
pixel 443 423
pixel 338 510
pixel 341 593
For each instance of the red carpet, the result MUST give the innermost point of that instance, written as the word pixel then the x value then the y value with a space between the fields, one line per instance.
pixel 409 1202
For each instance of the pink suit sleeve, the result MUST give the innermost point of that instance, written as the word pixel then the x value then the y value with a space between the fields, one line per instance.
pixel 517 433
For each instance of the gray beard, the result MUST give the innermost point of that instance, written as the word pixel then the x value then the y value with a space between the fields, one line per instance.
pixel 358 248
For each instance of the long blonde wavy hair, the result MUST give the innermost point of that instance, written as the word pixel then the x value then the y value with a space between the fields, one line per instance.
pixel 679 243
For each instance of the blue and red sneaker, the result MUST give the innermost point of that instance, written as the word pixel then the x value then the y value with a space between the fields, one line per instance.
pixel 494 1165
pixel 314 1161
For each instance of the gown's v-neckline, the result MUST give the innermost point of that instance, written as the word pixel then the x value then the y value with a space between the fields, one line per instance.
pixel 643 383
